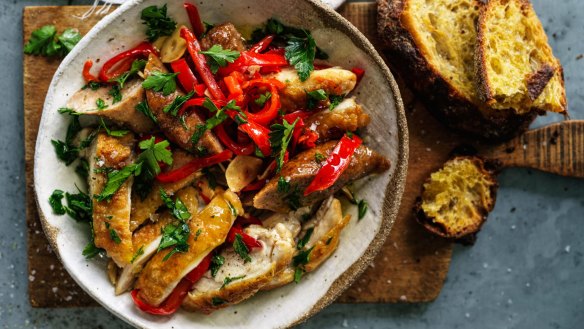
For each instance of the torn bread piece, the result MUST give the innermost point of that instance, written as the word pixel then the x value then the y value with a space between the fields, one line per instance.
pixel 334 81
pixel 237 280
pixel 123 112
pixel 318 240
pixel 147 239
pixel 210 227
pixel 515 65
pixel 111 216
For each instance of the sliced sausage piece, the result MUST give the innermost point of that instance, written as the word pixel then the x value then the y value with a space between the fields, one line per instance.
pixel 301 170
pixel 277 250
pixel 159 277
pixel 142 209
pixel 123 112
pixel 172 126
pixel 111 218
pixel 326 227
pixel 147 239
pixel 225 35
pixel 347 116
pixel 334 81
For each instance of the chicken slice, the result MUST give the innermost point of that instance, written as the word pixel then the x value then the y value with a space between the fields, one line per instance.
pixel 111 218
pixel 302 169
pixel 123 112
pixel 334 81
pixel 237 280
pixel 142 209
pixel 147 239
pixel 347 116
pixel 176 131
pixel 159 277
pixel 325 228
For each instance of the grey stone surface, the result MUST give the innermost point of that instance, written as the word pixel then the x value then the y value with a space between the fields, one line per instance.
pixel 524 272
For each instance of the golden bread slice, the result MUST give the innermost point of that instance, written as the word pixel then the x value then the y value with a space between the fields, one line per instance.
pixel 515 65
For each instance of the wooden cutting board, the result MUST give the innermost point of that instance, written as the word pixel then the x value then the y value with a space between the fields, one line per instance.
pixel 411 267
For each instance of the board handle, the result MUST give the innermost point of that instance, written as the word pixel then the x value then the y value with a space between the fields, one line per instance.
pixel 557 149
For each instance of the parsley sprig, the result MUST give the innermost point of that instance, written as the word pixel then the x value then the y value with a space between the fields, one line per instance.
pixel 280 136
pixel 241 249
pixel 45 41
pixel 157 22
pixel 175 234
pixel 161 82
pixel 219 57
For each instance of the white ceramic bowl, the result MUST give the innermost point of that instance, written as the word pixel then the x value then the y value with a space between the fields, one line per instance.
pixel 360 241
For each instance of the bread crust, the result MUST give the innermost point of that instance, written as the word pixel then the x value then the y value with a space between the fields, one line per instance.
pixel 442 99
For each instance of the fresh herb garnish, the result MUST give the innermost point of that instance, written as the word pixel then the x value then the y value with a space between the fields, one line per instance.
pixel 93 85
pixel 176 207
pixel 113 133
pixel 137 66
pixel 216 262
pixel 263 98
pixel 161 82
pixel 283 185
pixel 152 154
pixel 335 100
pixel 82 169
pixel 199 231
pixel 113 234
pixel 213 121
pixel 78 206
pixel 302 242
pixel 138 253
pixel 101 105
pixel 362 206
pixel 300 53
pixel 45 41
pixel 299 261
pixel 174 236
pixel 232 209
pixel 241 249
pixel 177 103
pixel 56 203
pixel 228 280
pixel 116 178
pixel 91 250
pixel 66 151
pixel 219 57
pixel 319 157
pixel 115 93
pixel 143 108
pixel 66 110
pixel 314 97
pixel 157 22
pixel 216 301
pixel 280 136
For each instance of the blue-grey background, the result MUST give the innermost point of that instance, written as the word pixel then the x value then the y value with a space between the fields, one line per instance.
pixel 525 270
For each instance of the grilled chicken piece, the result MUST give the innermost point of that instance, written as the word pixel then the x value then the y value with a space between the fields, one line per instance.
pixel 225 35
pixel 172 126
pixel 142 209
pixel 326 227
pixel 334 81
pixel 159 277
pixel 111 218
pixel 347 116
pixel 147 239
pixel 123 112
pixel 301 170
pixel 212 293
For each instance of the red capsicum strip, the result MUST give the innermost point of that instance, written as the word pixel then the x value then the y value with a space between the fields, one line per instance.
pixel 249 241
pixel 236 148
pixel 359 72
pixel 195 19
pixel 176 297
pixel 249 58
pixel 270 110
pixel 186 76
pixel 337 161
pixel 194 165
pixel 259 134
pixel 201 64
pixel 108 72
pixel 262 45
pixel 86 71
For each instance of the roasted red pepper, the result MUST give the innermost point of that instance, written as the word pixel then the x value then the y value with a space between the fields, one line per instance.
pixel 337 161
pixel 235 147
pixel 270 110
pixel 176 297
pixel 359 72
pixel 262 45
pixel 201 64
pixel 254 186
pixel 259 134
pixel 249 241
pixel 308 138
pixel 86 71
pixel 233 86
pixel 194 165
pixel 250 58
pixel 122 61
pixel 195 19
pixel 185 76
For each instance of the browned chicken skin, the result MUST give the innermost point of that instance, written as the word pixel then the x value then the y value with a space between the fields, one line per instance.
pixel 301 170
pixel 170 125
pixel 347 116
pixel 225 35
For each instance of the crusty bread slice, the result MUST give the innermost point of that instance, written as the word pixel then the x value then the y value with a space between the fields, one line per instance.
pixel 431 43
pixel 515 65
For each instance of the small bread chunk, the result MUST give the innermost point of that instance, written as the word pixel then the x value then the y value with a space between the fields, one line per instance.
pixel 457 198
pixel 516 67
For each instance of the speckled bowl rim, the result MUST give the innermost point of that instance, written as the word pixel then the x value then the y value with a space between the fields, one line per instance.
pixel 393 191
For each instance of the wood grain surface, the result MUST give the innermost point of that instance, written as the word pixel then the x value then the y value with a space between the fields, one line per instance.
pixel 411 267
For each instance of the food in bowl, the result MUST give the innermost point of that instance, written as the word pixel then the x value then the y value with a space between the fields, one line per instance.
pixel 214 162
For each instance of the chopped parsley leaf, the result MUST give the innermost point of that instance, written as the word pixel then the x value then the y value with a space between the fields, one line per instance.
pixel 228 280
pixel 283 185
pixel 113 234
pixel 116 94
pixel 302 242
pixel 177 103
pixel 174 236
pixel 362 206
pixel 300 53
pixel 138 253
pixel 157 22
pixel 116 178
pixel 45 41
pixel 113 133
pixel 335 100
pixel 241 249
pixel 280 136
pixel 137 66
pixel 143 108
pixel 263 98
pixel 101 105
pixel 314 97
pixel 319 157
pixel 161 82
pixel 56 203
pixel 219 57
pixel 216 262
pixel 177 208
pixel 216 301
pixel 91 250
pixel 82 168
